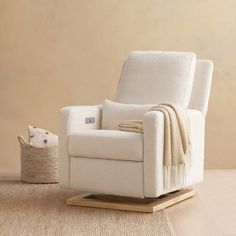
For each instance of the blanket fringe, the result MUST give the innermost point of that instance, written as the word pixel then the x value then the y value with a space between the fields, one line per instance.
pixel 175 176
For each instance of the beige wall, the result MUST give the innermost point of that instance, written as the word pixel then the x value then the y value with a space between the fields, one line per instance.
pixel 55 53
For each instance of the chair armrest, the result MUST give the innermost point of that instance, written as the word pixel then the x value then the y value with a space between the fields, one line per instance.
pixel 153 153
pixel 71 120
pixel 154 150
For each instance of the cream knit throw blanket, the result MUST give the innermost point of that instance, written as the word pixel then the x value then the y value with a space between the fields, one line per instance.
pixel 177 144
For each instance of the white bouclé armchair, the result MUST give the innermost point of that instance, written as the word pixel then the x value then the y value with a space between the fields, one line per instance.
pixel 131 164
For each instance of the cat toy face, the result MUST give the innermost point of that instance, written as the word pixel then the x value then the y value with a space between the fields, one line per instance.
pixel 41 138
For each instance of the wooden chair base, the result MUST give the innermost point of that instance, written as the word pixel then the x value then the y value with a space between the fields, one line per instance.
pixel 128 203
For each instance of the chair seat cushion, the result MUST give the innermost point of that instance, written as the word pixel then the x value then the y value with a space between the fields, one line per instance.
pixel 106 144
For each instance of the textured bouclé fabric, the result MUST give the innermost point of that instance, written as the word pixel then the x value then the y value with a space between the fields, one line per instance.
pixel 155 77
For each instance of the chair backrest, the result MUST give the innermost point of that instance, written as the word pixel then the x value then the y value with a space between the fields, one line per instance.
pixel 153 77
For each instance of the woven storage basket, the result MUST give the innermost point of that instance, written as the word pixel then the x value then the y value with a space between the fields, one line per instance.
pixel 38 164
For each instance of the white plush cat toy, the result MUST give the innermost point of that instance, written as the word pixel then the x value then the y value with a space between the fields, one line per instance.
pixel 41 137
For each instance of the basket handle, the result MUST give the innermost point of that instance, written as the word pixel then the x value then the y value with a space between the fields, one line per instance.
pixel 21 139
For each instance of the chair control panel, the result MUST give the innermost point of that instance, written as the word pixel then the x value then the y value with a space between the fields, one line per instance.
pixel 89 120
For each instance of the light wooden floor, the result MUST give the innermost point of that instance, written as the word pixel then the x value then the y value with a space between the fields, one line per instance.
pixel 212 212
